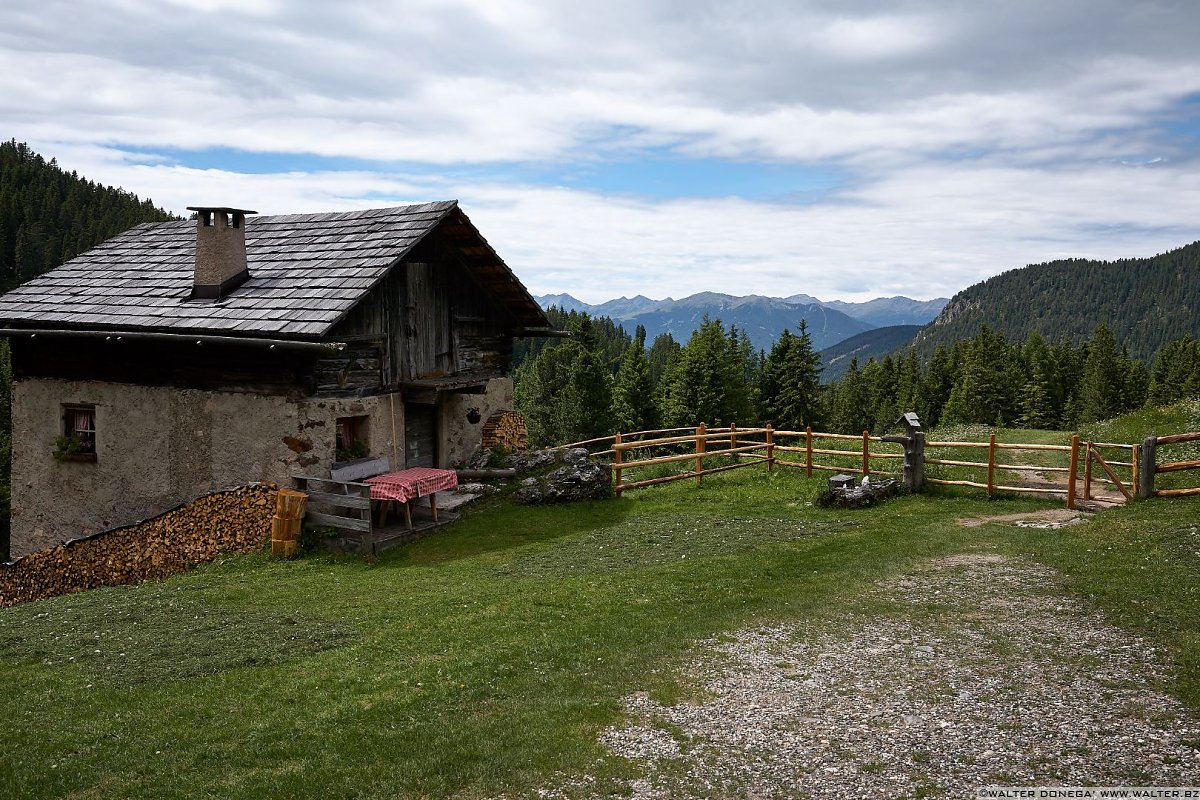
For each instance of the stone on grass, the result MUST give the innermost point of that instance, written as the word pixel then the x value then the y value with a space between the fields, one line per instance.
pixel 866 494
pixel 577 479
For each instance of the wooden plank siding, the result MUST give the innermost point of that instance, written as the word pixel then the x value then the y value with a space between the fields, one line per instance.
pixel 432 319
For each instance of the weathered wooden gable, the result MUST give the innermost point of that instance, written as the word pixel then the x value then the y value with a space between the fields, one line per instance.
pixel 430 319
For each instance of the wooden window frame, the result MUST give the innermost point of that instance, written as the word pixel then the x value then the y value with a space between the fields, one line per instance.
pixel 351 430
pixel 71 416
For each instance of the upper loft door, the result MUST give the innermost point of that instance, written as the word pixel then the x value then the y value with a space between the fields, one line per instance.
pixel 427 321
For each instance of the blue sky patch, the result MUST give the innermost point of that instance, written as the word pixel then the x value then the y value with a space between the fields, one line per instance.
pixel 658 175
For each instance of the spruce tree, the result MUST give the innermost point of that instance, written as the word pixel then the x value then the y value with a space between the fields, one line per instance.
pixel 1037 406
pixel 633 394
pixel 695 381
pixel 1100 389
pixel 790 383
pixel 853 408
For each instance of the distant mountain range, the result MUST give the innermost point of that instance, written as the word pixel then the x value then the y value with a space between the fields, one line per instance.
pixel 762 318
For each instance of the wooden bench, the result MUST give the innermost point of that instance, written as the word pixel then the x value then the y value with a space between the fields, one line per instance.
pixel 344 492
pixel 346 501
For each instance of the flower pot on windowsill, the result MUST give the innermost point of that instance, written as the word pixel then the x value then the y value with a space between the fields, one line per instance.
pixel 70 448
pixel 75 456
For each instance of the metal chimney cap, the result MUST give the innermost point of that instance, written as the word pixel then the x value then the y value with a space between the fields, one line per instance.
pixel 221 208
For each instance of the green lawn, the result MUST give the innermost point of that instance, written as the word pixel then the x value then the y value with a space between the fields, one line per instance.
pixel 485 659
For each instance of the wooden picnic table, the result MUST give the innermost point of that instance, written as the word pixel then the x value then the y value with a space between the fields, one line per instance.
pixel 407 485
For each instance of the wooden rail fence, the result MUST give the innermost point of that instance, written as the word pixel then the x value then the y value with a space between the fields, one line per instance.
pixel 734 448
pixel 1129 469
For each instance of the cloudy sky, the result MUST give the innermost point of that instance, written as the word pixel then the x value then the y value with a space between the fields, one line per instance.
pixel 846 149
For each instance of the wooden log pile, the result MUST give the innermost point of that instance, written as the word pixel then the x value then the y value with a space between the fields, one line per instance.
pixel 233 521
pixel 507 429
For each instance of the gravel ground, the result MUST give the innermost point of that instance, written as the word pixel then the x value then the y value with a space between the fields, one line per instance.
pixel 973 671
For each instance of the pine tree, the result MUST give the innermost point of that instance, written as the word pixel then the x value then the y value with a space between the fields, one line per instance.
pixel 1100 389
pixel 662 350
pixel 985 390
pixel 633 394
pixel 790 383
pixel 936 384
pixel 852 407
pixel 694 383
pixel 1037 394
pixel 590 383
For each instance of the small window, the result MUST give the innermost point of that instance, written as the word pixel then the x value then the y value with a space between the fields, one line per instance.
pixel 78 440
pixel 352 438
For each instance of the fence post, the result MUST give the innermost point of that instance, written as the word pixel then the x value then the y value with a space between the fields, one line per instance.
pixel 808 449
pixel 770 448
pixel 1136 454
pixel 700 431
pixel 1071 473
pixel 1149 465
pixel 618 452
pixel 1087 472
pixel 917 460
pixel 991 463
pixel 733 439
pixel 866 467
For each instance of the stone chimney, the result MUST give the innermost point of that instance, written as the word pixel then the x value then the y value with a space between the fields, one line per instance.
pixel 220 251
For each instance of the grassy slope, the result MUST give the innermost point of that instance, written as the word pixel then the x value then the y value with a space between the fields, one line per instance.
pixel 487 658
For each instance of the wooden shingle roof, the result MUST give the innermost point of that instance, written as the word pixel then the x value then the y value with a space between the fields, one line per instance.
pixel 306 272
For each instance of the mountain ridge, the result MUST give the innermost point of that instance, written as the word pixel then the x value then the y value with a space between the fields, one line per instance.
pixel 761 317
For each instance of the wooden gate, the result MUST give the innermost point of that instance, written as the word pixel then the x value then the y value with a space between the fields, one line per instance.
pixel 1092 455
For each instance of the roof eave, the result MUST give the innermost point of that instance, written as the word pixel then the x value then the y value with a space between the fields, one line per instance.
pixel 117 335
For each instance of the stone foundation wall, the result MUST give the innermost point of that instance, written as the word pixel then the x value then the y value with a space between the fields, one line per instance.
pixel 233 521
pixel 460 438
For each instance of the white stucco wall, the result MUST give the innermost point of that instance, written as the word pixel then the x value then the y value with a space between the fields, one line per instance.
pixel 157 447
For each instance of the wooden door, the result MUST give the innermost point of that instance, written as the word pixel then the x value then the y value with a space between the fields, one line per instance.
pixel 420 435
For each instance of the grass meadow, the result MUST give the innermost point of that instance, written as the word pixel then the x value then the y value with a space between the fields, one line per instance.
pixel 485 660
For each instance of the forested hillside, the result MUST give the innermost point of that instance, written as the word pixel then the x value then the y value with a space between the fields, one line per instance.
pixel 870 344
pixel 1145 302
pixel 48 215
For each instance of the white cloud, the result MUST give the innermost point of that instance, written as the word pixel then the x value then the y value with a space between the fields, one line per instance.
pixel 974 137
pixel 925 231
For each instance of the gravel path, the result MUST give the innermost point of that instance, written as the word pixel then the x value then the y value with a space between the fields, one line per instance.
pixel 977 671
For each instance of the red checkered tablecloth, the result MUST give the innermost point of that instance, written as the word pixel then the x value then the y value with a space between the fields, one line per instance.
pixel 409 484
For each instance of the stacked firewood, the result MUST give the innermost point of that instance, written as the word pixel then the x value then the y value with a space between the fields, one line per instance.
pixel 285 525
pixel 507 429
pixel 234 521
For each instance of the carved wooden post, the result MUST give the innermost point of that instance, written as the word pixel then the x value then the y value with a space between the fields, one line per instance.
pixel 1149 465
pixel 700 432
pixel 915 460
